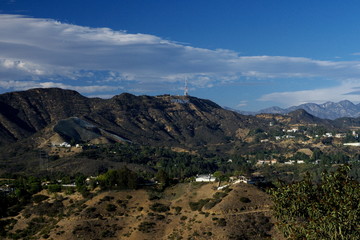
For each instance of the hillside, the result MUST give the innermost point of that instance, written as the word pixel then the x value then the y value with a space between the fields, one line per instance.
pixel 34 124
pixel 132 214
pixel 162 120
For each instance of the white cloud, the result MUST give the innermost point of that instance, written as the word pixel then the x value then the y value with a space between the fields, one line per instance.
pixel 22 85
pixel 35 51
pixel 348 90
pixel 243 103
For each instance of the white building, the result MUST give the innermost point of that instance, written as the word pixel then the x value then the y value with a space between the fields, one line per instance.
pixel 293 130
pixel 266 162
pixel 355 144
pixel 65 144
pixel 205 178
pixel 340 135
pixel 291 162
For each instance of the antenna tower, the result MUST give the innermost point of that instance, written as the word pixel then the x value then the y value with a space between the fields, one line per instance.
pixel 186 91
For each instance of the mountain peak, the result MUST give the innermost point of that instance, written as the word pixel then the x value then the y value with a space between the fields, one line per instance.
pixel 346 103
pixel 327 110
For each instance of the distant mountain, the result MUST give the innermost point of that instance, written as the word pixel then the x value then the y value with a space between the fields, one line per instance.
pixel 328 110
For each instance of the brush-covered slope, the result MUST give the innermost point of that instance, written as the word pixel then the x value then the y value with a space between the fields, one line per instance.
pixel 183 211
pixel 24 113
pixel 162 120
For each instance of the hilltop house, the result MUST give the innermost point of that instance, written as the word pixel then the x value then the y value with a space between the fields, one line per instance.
pixel 65 144
pixel 354 144
pixel 340 135
pixel 291 162
pixel 205 178
pixel 266 162
pixel 249 180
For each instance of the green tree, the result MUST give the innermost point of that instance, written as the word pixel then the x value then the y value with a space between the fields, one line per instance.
pixel 80 181
pixel 118 179
pixel 328 210
pixel 163 178
pixel 219 175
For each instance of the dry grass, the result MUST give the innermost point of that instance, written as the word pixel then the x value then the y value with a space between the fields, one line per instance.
pixel 133 218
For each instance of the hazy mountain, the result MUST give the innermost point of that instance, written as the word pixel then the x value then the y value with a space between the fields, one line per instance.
pixel 328 110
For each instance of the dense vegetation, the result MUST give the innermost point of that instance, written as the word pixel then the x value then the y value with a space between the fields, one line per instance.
pixel 327 210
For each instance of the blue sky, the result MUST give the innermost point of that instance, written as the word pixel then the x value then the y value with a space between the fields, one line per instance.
pixel 247 55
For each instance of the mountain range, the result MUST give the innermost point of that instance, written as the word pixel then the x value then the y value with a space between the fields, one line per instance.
pixel 65 115
pixel 328 110
pixel 50 116
pixel 38 121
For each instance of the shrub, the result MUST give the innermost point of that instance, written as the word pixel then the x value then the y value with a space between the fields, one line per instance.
pixel 49 209
pixel 177 210
pixel 159 207
pixel 53 188
pixel 110 207
pixel 212 203
pixel 122 203
pixel 245 200
pixel 107 233
pixel 146 227
pixel 221 222
pixel 160 217
pixel 219 195
pixel 198 205
pixel 90 210
pixel 155 195
pixel 39 198
pixel 107 198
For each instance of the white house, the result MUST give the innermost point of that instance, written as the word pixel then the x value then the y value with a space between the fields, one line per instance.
pixel 266 162
pixel 65 144
pixel 340 135
pixel 205 178
pixel 355 144
pixel 289 136
pixel 243 179
pixel 293 130
pixel 291 162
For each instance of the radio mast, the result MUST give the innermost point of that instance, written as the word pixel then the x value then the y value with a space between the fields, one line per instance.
pixel 186 91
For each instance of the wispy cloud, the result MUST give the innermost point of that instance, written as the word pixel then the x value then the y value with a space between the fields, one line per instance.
pixel 242 104
pixel 36 52
pixel 23 85
pixel 347 90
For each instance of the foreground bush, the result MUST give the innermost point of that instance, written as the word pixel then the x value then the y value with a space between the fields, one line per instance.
pixel 328 210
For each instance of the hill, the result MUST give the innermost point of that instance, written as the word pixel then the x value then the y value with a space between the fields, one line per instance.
pixel 162 120
pixel 34 123
pixel 184 211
